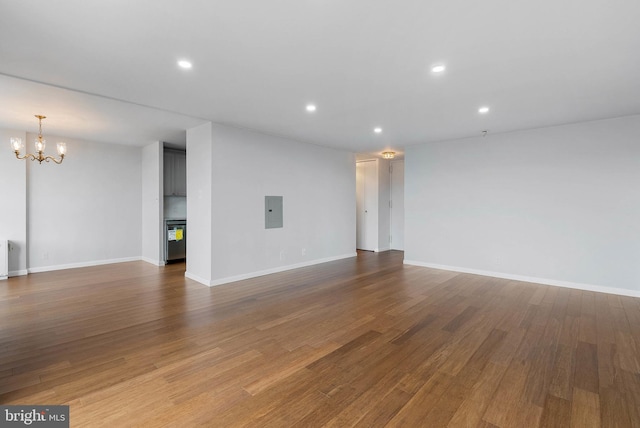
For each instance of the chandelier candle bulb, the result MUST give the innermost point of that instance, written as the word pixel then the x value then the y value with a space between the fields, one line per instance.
pixel 16 144
pixel 40 145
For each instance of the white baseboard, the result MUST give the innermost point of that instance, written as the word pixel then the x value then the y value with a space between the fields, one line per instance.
pixel 267 271
pixel 379 250
pixel 82 264
pixel 153 262
pixel 544 281
pixel 197 278
pixel 21 272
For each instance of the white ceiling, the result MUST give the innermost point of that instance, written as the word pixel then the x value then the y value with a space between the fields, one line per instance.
pixel 364 63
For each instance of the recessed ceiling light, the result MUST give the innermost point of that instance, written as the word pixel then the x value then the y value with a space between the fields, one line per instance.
pixel 377 130
pixel 483 110
pixel 311 107
pixel 438 68
pixel 183 63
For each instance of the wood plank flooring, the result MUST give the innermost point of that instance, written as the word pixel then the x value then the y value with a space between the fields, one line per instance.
pixel 361 342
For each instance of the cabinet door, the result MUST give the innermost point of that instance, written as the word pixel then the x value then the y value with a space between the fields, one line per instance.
pixel 168 180
pixel 180 174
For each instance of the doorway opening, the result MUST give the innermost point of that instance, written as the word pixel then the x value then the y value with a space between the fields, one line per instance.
pixel 379 205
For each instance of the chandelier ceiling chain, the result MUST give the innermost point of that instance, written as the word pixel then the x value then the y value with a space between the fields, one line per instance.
pixel 16 144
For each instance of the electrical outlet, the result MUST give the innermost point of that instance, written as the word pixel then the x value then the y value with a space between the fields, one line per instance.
pixel 304 251
pixel 45 255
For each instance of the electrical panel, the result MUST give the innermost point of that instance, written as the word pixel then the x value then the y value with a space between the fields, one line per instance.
pixel 272 212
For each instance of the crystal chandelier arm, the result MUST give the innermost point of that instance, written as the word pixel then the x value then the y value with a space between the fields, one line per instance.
pixel 27 156
pixel 56 160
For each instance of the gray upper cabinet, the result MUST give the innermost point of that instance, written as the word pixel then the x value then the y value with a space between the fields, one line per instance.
pixel 175 173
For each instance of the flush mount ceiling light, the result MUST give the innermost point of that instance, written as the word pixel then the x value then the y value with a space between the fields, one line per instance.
pixel 183 63
pixel 16 145
pixel 377 130
pixel 483 110
pixel 311 108
pixel 388 155
pixel 438 68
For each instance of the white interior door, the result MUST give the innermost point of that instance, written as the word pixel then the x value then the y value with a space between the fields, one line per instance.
pixel 366 205
pixel 397 205
pixel 360 218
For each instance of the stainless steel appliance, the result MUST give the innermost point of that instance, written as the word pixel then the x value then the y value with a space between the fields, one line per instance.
pixel 175 240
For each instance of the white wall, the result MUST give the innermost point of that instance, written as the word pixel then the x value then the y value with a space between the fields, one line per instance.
pixel 13 202
pixel 152 200
pixel 558 205
pixel 397 211
pixel 86 210
pixel 318 189
pixel 199 172
pixel 384 213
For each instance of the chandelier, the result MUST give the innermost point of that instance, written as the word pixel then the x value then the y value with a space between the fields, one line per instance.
pixel 16 144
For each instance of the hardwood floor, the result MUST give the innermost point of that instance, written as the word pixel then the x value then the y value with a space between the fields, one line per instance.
pixel 358 342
